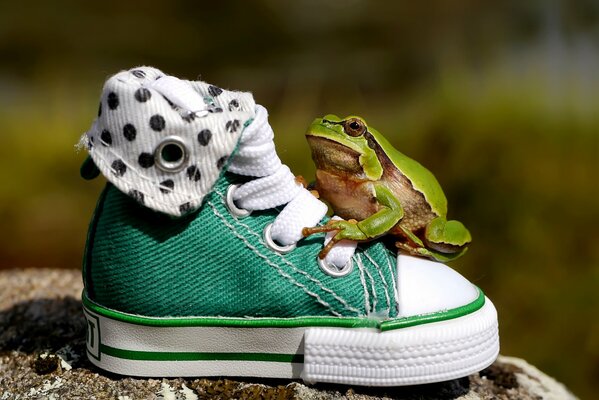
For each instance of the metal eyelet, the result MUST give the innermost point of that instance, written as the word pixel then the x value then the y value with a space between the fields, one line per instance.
pixel 171 155
pixel 233 209
pixel 271 244
pixel 333 271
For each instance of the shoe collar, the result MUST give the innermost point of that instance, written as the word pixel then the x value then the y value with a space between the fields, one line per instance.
pixel 165 141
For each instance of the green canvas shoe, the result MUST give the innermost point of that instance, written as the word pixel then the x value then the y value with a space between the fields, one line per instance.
pixel 195 263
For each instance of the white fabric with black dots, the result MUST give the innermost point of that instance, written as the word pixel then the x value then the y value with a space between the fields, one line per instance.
pixel 164 141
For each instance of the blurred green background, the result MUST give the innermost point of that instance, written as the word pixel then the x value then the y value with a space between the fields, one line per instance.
pixel 499 99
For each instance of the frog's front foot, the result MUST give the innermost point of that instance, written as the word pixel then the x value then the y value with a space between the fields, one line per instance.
pixel 346 230
pixel 301 180
pixel 311 187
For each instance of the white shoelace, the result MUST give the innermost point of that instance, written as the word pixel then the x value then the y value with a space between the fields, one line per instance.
pixel 274 186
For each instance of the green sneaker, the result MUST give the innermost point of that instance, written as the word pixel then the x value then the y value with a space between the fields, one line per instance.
pixel 195 263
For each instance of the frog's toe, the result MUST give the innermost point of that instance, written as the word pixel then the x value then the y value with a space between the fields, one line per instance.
pixel 331 225
pixel 301 180
pixel 408 249
pixel 317 229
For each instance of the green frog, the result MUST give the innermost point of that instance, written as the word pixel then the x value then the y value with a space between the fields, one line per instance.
pixel 379 191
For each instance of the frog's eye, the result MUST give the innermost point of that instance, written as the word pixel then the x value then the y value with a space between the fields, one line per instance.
pixel 354 127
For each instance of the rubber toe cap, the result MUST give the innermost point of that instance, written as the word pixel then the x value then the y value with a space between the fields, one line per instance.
pixel 426 287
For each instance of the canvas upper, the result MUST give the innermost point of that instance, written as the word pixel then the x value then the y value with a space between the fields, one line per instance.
pixel 211 263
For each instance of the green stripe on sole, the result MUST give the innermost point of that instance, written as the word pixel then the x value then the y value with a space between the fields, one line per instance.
pixel 193 356
pixel 297 322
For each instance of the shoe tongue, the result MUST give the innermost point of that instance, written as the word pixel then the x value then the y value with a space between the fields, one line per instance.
pixel 164 141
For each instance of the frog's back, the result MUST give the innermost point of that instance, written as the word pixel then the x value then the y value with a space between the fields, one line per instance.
pixel 402 171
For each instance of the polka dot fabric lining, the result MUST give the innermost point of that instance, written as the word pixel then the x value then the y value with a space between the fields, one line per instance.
pixel 134 119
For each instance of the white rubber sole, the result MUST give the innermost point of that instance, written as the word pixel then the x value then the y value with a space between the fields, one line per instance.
pixel 425 353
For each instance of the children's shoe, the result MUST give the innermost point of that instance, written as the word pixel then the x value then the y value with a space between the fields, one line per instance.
pixel 195 263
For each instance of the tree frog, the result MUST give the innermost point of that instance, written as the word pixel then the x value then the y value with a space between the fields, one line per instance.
pixel 379 191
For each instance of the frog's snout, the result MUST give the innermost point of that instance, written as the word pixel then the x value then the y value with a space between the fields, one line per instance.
pixel 321 125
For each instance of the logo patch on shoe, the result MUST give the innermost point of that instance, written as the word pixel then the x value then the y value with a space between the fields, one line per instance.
pixel 92 339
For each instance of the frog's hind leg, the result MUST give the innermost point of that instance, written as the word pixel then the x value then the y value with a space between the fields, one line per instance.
pixel 417 247
pixel 445 236
pixel 411 244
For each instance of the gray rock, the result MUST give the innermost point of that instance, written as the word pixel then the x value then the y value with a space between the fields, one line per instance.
pixel 42 356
